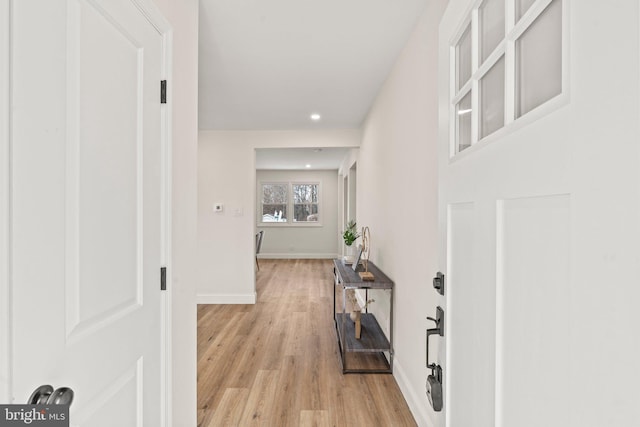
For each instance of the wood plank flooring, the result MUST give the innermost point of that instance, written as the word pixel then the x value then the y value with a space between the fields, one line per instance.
pixel 276 363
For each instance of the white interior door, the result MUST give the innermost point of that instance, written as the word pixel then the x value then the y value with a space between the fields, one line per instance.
pixel 540 200
pixel 86 206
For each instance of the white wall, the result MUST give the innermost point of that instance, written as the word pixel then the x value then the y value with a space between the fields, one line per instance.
pixel 302 241
pixel 397 199
pixel 226 174
pixel 183 96
pixel 5 302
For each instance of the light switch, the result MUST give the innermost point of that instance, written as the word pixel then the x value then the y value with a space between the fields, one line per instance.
pixel 218 207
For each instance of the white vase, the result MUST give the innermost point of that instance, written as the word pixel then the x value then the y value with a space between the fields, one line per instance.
pixel 350 254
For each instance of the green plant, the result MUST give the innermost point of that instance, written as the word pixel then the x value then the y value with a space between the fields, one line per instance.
pixel 350 234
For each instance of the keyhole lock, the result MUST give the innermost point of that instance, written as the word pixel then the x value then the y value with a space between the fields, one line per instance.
pixel 434 388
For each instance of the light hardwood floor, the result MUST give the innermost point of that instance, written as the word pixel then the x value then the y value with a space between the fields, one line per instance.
pixel 276 363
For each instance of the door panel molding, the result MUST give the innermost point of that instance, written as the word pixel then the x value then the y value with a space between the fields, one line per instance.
pixel 532 292
pixel 120 291
pixel 125 390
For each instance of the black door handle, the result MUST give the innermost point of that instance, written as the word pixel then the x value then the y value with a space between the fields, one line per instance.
pixel 438 330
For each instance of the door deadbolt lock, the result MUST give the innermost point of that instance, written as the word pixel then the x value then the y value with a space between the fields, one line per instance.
pixel 434 388
pixel 438 283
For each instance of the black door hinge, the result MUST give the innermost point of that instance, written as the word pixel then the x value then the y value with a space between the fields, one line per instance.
pixel 163 278
pixel 163 91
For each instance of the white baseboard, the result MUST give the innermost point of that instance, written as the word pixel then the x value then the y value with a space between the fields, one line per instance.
pixel 297 256
pixel 417 404
pixel 226 299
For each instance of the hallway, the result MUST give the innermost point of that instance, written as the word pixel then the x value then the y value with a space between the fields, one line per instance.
pixel 275 363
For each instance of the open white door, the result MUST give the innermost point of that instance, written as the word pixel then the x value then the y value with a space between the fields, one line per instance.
pixel 540 200
pixel 87 205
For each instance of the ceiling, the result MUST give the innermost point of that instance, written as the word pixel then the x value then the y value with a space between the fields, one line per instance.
pixel 299 158
pixel 269 64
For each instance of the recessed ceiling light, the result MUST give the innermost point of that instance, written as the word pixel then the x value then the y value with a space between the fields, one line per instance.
pixel 315 117
pixel 307 166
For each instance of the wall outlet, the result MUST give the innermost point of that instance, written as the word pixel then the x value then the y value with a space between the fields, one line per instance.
pixel 218 207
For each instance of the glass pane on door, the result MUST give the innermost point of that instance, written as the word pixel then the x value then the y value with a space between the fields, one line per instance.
pixel 522 6
pixel 463 123
pixel 491 15
pixel 492 99
pixel 463 59
pixel 539 60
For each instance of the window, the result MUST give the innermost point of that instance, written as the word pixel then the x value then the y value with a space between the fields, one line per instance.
pixel 305 203
pixel 274 202
pixel 290 203
pixel 505 65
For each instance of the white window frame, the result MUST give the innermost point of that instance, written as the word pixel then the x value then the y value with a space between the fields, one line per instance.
pixel 293 203
pixel 261 201
pixel 506 48
pixel 290 205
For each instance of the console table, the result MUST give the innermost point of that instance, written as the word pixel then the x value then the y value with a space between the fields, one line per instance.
pixel 373 352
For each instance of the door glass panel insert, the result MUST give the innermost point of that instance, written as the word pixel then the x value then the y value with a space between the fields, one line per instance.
pixel 491 15
pixel 522 6
pixel 510 68
pixel 463 58
pixel 539 60
pixel 492 99
pixel 463 123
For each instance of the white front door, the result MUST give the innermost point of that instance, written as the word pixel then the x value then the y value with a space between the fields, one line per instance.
pixel 540 201
pixel 86 208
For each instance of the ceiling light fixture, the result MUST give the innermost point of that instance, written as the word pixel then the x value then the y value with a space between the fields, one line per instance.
pixel 315 117
pixel 307 166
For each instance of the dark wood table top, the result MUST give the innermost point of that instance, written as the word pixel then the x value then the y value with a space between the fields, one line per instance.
pixel 351 279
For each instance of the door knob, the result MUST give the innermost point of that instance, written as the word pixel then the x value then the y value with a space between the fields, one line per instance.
pixel 46 395
pixel 40 395
pixel 61 396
